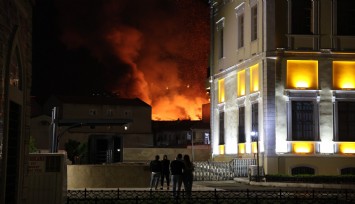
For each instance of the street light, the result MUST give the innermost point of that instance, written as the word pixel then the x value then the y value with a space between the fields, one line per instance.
pixel 255 138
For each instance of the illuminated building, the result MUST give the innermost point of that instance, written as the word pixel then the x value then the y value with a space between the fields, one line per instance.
pixel 15 75
pixel 288 73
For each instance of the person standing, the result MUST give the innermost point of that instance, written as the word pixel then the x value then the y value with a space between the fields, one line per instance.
pixel 176 169
pixel 188 175
pixel 155 168
pixel 165 173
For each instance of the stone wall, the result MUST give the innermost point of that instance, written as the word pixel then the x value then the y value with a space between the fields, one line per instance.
pixel 124 175
pixel 132 173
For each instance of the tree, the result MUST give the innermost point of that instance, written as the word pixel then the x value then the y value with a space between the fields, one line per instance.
pixel 32 145
pixel 72 149
pixel 76 150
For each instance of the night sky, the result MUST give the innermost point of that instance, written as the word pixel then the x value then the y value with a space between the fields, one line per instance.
pixel 156 50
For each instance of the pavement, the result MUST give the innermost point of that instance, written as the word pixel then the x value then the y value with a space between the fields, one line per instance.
pixel 243 184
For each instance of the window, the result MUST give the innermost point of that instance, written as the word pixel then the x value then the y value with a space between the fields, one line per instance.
pixel 15 70
pixel 302 74
pixel 254 78
pixel 220 38
pixel 346 121
pixel 92 112
pixel 109 112
pixel 345 20
pixel 221 128
pixel 241 83
pixel 240 30
pixel 221 91
pixel 240 25
pixel 254 117
pixel 302 17
pixel 254 22
pixel 241 125
pixel 220 43
pixel 206 139
pixel 301 170
pixel 343 75
pixel 302 121
pixel 347 171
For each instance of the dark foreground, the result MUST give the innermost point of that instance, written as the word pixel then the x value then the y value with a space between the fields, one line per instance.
pixel 212 196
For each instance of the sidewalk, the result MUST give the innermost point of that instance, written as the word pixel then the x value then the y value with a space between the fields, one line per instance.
pixel 239 183
pixel 295 185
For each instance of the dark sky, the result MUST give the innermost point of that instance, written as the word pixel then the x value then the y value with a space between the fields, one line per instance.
pixel 156 50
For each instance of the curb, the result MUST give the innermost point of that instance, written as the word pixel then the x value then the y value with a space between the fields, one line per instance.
pixel 295 185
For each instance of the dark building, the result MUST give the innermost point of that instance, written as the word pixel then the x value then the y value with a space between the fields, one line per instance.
pixel 15 78
pixel 107 125
pixel 181 133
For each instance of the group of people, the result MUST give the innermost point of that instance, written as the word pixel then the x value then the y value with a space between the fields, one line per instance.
pixel 181 171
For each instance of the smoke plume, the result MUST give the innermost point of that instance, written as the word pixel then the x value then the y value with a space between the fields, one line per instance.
pixel 155 50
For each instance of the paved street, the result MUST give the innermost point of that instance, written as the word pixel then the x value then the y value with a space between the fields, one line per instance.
pixel 243 184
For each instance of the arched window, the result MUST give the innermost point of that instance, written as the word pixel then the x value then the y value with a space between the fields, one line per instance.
pixel 302 170
pixel 348 171
pixel 15 70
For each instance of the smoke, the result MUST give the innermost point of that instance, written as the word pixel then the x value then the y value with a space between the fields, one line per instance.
pixel 155 50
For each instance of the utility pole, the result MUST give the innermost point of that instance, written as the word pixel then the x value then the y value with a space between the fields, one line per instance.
pixel 54 139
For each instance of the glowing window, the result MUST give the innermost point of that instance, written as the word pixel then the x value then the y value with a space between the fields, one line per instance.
pixel 254 148
pixel 303 147
pixel 241 148
pixel 343 75
pixel 347 147
pixel 221 91
pixel 302 74
pixel 241 83
pixel 221 149
pixel 254 78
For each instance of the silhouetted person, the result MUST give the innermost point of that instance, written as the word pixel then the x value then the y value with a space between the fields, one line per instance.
pixel 155 168
pixel 176 168
pixel 165 173
pixel 188 175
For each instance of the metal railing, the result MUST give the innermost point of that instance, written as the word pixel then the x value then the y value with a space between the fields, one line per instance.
pixel 217 171
pixel 216 196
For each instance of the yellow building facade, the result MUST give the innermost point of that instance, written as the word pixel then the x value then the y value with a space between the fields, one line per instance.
pixel 285 70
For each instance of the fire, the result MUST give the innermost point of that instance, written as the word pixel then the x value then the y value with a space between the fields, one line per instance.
pixel 154 51
pixel 169 73
pixel 178 107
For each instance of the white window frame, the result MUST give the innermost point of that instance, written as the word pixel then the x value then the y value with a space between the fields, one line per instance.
pixel 240 10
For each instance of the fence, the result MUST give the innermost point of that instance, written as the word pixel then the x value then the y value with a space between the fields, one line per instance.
pixel 205 197
pixel 217 171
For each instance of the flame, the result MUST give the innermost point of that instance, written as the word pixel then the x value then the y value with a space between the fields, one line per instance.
pixel 148 55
